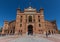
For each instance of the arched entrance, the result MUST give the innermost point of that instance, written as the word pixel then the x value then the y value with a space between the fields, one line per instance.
pixel 49 32
pixel 30 30
pixel 13 30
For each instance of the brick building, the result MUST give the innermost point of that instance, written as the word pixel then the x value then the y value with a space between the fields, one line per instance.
pixel 29 22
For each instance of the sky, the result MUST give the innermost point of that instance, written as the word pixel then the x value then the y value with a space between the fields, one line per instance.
pixel 8 9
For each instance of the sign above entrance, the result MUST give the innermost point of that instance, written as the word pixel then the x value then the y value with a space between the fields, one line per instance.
pixel 30 9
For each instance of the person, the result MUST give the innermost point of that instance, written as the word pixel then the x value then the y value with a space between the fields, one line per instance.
pixel 46 34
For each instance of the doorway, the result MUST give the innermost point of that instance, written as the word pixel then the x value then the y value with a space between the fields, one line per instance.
pixel 30 30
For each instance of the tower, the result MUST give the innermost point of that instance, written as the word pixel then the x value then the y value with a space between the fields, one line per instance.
pixel 17 21
pixel 42 19
pixel 5 27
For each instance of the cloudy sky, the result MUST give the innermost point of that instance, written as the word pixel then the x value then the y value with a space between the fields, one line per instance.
pixel 8 9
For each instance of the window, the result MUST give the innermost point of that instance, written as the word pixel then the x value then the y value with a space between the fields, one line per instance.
pixel 21 30
pixel 30 18
pixel 39 25
pixel 21 16
pixel 39 20
pixel 21 19
pixel 38 16
pixel 20 25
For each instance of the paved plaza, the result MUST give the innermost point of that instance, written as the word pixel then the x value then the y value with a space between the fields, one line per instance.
pixel 34 38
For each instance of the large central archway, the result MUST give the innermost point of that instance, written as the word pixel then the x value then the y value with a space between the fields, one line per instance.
pixel 30 30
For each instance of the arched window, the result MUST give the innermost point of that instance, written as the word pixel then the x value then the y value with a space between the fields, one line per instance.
pixel 39 25
pixel 38 18
pixel 21 19
pixel 20 25
pixel 30 18
pixel 21 16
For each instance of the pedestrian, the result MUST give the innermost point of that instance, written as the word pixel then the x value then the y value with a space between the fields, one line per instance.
pixel 46 34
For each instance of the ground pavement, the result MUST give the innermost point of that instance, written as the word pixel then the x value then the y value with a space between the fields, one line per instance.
pixel 34 38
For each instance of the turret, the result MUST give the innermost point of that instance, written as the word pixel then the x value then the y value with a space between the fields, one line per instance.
pixel 5 22
pixel 42 11
pixel 18 10
pixel 5 27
